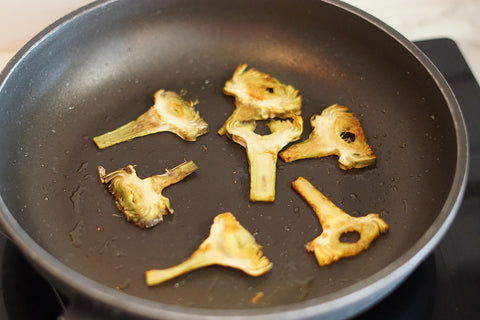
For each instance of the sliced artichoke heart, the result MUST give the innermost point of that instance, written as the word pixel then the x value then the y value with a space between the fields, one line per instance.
pixel 262 151
pixel 229 244
pixel 259 96
pixel 335 132
pixel 169 113
pixel 141 200
pixel 328 246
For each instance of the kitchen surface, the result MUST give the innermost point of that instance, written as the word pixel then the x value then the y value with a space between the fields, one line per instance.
pixel 446 284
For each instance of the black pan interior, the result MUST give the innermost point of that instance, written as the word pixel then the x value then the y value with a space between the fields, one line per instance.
pixel 100 70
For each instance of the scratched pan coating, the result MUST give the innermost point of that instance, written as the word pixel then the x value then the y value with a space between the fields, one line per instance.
pixel 99 67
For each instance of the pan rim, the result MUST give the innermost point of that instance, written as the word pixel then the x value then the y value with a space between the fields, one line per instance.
pixel 355 295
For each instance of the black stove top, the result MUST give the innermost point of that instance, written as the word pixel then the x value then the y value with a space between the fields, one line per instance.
pixel 445 286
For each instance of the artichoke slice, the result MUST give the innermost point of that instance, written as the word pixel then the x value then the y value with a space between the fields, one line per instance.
pixel 259 96
pixel 328 247
pixel 169 113
pixel 262 151
pixel 229 244
pixel 141 200
pixel 335 132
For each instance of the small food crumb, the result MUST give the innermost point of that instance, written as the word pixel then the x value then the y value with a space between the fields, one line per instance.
pixel 257 297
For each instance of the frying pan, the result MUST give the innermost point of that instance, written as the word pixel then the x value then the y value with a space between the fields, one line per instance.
pixel 99 67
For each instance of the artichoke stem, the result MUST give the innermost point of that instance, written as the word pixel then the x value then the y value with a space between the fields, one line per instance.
pixel 178 173
pixel 301 150
pixel 147 123
pixel 325 209
pixel 262 176
pixel 156 276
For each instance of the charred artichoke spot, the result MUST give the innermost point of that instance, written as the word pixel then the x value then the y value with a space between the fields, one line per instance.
pixel 269 89
pixel 350 237
pixel 177 109
pixel 254 91
pixel 347 136
pixel 205 248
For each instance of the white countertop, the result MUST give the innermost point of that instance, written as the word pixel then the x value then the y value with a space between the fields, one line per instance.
pixel 459 20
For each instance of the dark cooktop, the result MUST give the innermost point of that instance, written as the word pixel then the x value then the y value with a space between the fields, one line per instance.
pixel 445 286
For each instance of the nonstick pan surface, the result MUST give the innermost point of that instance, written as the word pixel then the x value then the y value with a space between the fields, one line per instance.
pixel 99 68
